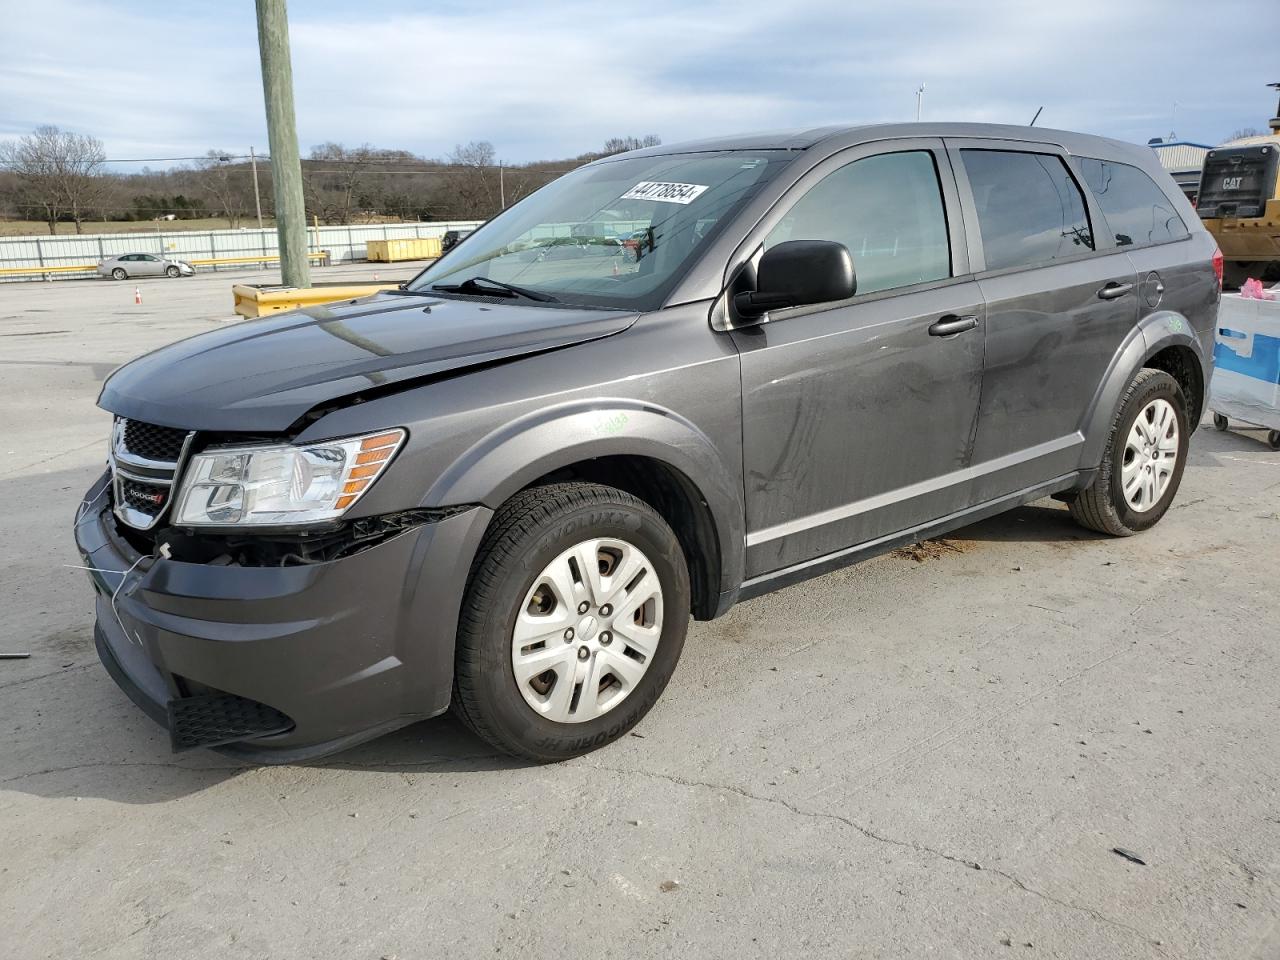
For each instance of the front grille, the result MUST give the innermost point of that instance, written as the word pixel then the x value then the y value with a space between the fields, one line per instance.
pixel 210 719
pixel 145 462
pixel 148 498
pixel 153 442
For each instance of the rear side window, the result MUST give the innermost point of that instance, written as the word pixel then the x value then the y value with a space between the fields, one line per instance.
pixel 1136 210
pixel 887 210
pixel 1030 211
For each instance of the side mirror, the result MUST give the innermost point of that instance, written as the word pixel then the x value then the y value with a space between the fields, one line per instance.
pixel 799 272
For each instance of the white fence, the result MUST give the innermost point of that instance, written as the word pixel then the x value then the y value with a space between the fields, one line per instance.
pixel 344 244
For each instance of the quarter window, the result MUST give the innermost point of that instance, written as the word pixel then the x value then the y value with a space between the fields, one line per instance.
pixel 887 210
pixel 1030 211
pixel 1136 210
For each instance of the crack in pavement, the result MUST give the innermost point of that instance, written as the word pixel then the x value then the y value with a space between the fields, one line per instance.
pixel 52 673
pixel 870 834
pixel 118 763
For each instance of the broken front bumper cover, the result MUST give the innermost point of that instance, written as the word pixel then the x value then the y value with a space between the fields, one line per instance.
pixel 284 663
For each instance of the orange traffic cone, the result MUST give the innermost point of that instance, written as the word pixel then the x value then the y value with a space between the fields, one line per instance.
pixel 137 294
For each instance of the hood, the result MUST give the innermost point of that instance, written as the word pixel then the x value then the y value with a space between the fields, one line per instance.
pixel 263 375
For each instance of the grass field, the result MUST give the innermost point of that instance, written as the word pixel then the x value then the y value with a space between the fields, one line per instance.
pixel 37 228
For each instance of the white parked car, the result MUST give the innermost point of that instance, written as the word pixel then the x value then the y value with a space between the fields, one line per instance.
pixel 143 265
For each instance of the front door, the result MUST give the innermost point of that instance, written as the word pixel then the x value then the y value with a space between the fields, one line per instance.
pixel 859 416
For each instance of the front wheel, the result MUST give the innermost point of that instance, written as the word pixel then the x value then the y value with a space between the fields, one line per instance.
pixel 172 272
pixel 573 622
pixel 1143 461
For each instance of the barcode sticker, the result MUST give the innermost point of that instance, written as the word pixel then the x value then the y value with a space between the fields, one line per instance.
pixel 665 192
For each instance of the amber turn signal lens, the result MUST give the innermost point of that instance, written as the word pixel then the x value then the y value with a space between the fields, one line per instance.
pixel 373 456
pixel 369 470
pixel 381 440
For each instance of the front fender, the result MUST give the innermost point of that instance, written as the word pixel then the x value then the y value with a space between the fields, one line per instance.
pixel 518 453
pixel 1155 332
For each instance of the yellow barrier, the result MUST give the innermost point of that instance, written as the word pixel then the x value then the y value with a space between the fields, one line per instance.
pixel 404 248
pixel 320 255
pixel 20 271
pixel 253 301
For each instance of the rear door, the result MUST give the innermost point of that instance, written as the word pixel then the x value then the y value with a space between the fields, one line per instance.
pixel 1060 300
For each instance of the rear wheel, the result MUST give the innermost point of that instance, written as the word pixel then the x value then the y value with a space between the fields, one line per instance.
pixel 574 619
pixel 118 273
pixel 1143 461
pixel 1273 439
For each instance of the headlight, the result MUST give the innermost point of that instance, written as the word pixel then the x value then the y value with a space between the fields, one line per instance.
pixel 286 484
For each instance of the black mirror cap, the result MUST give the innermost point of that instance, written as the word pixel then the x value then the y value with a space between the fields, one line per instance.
pixel 800 272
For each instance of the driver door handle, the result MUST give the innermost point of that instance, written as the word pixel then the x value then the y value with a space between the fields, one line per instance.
pixel 1113 290
pixel 950 325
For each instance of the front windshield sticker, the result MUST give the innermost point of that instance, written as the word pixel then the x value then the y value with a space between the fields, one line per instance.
pixel 665 192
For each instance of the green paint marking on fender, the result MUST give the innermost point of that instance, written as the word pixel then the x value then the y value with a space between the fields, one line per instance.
pixel 613 425
pixel 1175 324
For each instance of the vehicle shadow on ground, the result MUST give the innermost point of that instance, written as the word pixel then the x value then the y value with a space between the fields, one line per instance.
pixel 1045 521
pixel 144 771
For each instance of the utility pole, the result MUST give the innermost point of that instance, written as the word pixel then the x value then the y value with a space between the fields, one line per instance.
pixel 502 187
pixel 282 137
pixel 257 196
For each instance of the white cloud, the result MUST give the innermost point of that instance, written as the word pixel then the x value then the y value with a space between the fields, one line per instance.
pixel 554 79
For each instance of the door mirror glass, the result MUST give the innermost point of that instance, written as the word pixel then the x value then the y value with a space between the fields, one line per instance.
pixel 799 272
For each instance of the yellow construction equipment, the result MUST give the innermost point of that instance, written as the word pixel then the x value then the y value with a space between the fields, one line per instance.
pixel 1239 203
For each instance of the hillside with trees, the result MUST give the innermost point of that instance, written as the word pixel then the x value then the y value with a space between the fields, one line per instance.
pixel 58 177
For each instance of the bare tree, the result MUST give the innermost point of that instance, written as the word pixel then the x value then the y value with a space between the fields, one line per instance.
pixel 1245 132
pixel 473 179
pixel 341 180
pixel 223 185
pixel 623 144
pixel 59 172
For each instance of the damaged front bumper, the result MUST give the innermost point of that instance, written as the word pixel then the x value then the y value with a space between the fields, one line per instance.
pixel 277 664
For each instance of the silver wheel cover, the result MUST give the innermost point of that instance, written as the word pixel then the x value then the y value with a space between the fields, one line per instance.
pixel 1150 455
pixel 587 631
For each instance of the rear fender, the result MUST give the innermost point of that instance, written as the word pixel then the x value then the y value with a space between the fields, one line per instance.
pixel 1164 328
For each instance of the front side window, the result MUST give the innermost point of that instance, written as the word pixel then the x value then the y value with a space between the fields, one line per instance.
pixel 1136 210
pixel 887 210
pixel 615 234
pixel 1030 210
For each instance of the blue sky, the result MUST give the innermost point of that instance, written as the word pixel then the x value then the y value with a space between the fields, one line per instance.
pixel 554 79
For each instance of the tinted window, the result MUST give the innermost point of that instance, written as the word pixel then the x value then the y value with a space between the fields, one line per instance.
pixel 1029 209
pixel 1136 210
pixel 887 210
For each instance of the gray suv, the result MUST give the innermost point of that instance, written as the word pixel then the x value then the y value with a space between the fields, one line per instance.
pixel 507 486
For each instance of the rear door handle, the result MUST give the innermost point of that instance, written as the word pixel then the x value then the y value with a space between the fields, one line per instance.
pixel 950 325
pixel 1113 290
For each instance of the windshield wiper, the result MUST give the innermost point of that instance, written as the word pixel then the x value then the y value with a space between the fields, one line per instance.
pixel 476 285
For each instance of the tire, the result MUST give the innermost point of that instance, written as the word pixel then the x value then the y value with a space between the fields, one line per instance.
pixel 119 274
pixel 509 588
pixel 1104 506
pixel 1220 422
pixel 1273 439
pixel 172 273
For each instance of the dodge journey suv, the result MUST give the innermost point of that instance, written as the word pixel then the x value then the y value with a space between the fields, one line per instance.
pixel 671 380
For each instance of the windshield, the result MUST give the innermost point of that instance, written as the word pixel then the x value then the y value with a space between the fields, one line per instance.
pixel 615 234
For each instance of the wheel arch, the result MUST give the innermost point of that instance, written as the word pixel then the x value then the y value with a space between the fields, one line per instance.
pixel 1164 340
pixel 649 451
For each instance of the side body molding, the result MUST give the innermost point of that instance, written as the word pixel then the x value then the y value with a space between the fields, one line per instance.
pixel 518 453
